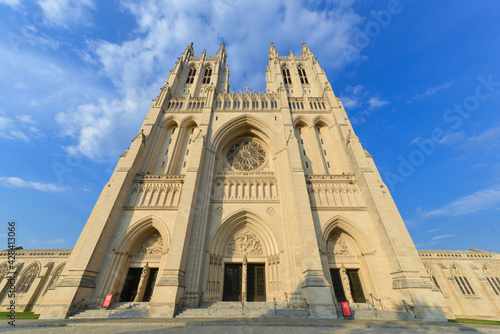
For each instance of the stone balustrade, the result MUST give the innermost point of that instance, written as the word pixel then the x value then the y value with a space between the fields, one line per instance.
pixel 155 192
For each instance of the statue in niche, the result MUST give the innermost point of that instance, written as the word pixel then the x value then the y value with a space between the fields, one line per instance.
pixel 244 242
pixel 152 245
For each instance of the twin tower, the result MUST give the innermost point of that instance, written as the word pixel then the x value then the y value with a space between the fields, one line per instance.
pixel 251 197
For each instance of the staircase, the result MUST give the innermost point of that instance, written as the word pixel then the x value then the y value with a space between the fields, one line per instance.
pixel 362 311
pixel 117 310
pixel 249 310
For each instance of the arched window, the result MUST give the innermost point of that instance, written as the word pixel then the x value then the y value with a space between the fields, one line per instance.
pixel 208 74
pixel 55 276
pixel 191 74
pixel 286 75
pixel 302 75
pixel 27 278
pixel 462 280
pixel 4 269
pixel 432 275
pixel 493 279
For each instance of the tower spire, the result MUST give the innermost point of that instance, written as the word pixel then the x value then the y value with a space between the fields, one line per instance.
pixel 272 51
pixel 306 51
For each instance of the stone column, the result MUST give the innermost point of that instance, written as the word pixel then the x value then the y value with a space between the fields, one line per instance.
pixel 244 273
pixel 141 288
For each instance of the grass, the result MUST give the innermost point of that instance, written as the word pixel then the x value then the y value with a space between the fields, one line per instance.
pixel 19 315
pixel 475 321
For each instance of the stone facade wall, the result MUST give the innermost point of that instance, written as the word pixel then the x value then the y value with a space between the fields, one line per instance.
pixel 468 280
pixel 35 271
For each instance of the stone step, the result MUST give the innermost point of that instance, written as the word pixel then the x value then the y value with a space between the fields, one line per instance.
pixel 129 305
pixel 129 314
pixel 378 315
pixel 91 314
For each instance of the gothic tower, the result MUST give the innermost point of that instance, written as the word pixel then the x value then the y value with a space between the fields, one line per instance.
pixel 246 196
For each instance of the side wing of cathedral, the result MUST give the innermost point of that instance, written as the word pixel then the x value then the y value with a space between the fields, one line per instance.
pixel 254 197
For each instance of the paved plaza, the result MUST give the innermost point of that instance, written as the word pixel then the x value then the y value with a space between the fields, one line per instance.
pixel 240 326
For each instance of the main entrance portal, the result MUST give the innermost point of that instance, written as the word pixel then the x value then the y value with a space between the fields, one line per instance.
pixel 235 274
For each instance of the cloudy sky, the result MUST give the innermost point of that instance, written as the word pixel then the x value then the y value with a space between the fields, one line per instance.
pixel 420 81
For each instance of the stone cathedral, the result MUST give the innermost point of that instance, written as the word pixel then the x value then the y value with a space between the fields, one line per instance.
pixel 254 197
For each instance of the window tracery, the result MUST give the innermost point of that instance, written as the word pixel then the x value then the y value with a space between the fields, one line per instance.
pixel 286 76
pixel 27 278
pixel 493 279
pixel 303 76
pixel 191 74
pixel 207 75
pixel 245 155
pixel 462 281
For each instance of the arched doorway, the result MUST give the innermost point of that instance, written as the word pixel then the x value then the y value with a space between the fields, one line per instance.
pixel 345 268
pixel 243 261
pixel 139 282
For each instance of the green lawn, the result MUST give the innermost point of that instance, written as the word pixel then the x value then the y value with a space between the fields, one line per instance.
pixel 475 321
pixel 19 315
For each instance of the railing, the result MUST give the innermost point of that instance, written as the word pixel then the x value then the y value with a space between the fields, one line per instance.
pixel 157 191
pixel 246 187
pixel 74 308
pixel 334 191
pixel 379 300
pixel 307 307
pixel 178 306
pixel 409 307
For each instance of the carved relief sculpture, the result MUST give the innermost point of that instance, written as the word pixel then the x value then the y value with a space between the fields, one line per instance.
pixel 244 242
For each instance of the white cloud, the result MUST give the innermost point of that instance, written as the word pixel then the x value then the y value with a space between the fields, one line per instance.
pixel 66 13
pixel 137 67
pixel 376 102
pixel 26 119
pixel 16 182
pixel 58 241
pixel 451 137
pixel 11 3
pixel 431 91
pixel 485 199
pixel 444 236
pixel 489 139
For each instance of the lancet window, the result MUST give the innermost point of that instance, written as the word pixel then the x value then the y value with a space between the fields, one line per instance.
pixel 191 74
pixel 493 279
pixel 462 281
pixel 286 75
pixel 302 76
pixel 207 76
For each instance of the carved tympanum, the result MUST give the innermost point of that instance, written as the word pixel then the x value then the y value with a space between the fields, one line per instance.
pixel 244 242
pixel 152 245
pixel 337 246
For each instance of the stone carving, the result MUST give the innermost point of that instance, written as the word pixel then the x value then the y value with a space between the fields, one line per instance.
pixel 337 246
pixel 245 155
pixel 270 211
pixel 219 211
pixel 244 242
pixel 152 245
pixel 4 269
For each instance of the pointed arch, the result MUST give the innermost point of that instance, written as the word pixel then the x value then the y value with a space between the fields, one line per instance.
pixel 189 121
pixel 492 277
pixel 301 119
pixel 321 119
pixel 345 225
pixel 462 279
pixel 136 233
pixel 240 219
pixel 244 125
pixel 432 275
pixel 169 121
pixel 27 277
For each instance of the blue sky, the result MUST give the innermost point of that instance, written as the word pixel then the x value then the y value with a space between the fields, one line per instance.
pixel 419 80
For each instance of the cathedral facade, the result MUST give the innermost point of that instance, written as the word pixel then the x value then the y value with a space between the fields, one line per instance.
pixel 255 197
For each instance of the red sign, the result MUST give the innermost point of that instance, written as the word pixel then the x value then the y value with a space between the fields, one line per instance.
pixel 346 311
pixel 107 300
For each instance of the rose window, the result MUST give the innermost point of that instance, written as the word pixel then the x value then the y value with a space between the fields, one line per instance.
pixel 246 155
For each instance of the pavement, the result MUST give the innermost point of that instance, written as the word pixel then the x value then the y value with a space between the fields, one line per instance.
pixel 239 326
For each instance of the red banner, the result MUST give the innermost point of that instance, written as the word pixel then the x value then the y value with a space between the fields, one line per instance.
pixel 346 311
pixel 107 300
